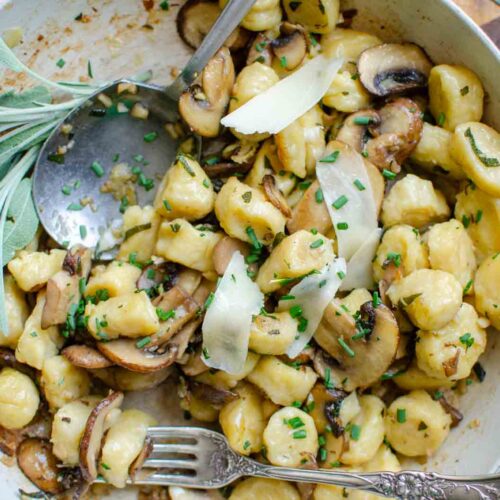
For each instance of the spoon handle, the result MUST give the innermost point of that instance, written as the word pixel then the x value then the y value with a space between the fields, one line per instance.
pixel 226 23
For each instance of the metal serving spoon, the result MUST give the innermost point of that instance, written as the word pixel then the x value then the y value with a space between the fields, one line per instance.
pixel 67 187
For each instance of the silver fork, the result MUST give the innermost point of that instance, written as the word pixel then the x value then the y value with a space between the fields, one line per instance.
pixel 195 457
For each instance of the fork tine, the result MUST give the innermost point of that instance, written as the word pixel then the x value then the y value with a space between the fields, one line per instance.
pixel 173 432
pixel 174 448
pixel 172 479
pixel 167 463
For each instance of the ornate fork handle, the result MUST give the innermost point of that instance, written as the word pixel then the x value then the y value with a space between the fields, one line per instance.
pixel 405 485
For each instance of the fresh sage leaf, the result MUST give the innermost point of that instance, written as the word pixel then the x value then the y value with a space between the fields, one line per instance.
pixel 21 223
pixel 27 99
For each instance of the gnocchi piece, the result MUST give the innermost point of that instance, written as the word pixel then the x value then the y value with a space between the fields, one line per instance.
pixel 32 270
pixel 416 425
pixel 366 432
pixel 178 235
pixel 295 256
pixel 118 278
pixel 244 212
pixel 131 315
pixel 250 82
pixel 283 384
pixel 401 245
pixel 272 334
pixel 314 135
pixel 318 17
pixel 355 300
pixel 266 162
pixel 384 459
pixel 185 192
pixel 19 399
pixel 433 153
pixel 476 148
pixel 224 380
pixel 264 489
pixel 140 228
pixel 290 436
pixel 415 202
pixel 473 204
pixel 431 298
pixel 348 44
pixel 122 444
pixel 63 382
pixel 453 350
pixel 452 250
pixel 291 146
pixel 264 15
pixel 414 378
pixel 17 312
pixel 242 420
pixel 346 94
pixel 456 95
pixel 487 291
pixel 199 409
pixel 35 344
pixel 68 425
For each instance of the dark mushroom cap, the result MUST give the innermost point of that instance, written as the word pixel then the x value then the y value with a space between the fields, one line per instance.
pixel 393 68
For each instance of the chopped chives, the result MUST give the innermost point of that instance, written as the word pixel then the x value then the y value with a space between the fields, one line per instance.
pixel 376 301
pixel 164 5
pixel 319 195
pixel 314 230
pixel 316 244
pixel 468 286
pixel 355 432
pixel 246 445
pixel 479 216
pixel 295 422
pixel 321 440
pixel 143 342
pixel 346 348
pixel 441 119
pixel 323 454
pixel 74 207
pixel 96 167
pixel 283 61
pixel 123 204
pixel 340 202
pixel 363 120
pixel 206 183
pixel 341 275
pixel 304 185
pixel 288 297
pixel 167 206
pixel 89 69
pixel 322 283
pixel 81 286
pixel 253 238
pixel 359 185
pixel 331 158
pixel 296 404
pixel 388 174
pixel 401 415
pixel 60 63
pixel 83 232
pixel 464 90
pixel 165 315
pixel 303 322
pixel 342 226
pixel 66 190
pixel 116 157
pixel 300 434
pixel 295 311
pixel 465 221
pixel 150 136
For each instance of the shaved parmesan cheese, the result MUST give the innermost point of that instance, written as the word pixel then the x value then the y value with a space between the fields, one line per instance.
pixel 226 327
pixel 287 100
pixel 313 294
pixel 359 269
pixel 352 210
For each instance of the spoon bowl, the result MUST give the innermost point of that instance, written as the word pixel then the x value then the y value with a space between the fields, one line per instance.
pixel 70 189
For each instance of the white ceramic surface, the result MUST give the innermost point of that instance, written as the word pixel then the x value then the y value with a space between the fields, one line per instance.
pixel 118 45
